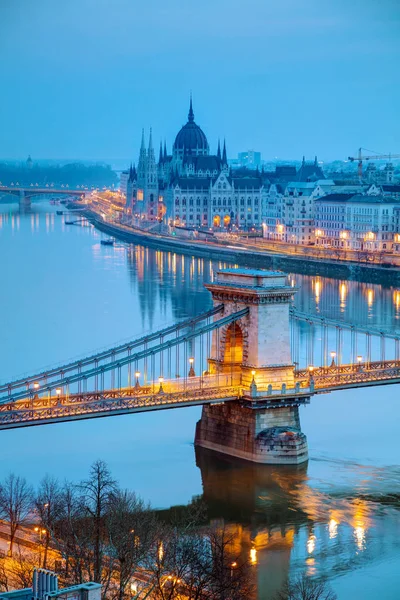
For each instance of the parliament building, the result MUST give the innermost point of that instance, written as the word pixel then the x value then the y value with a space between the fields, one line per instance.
pixel 194 188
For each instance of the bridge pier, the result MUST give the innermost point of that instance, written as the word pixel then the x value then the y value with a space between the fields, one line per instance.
pixel 268 436
pixel 24 200
pixel 263 426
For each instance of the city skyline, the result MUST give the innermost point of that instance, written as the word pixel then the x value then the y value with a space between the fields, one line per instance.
pixel 100 76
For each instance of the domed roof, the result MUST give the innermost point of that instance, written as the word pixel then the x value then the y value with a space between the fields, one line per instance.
pixel 191 138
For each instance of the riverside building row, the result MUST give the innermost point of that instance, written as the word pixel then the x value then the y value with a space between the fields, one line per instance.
pixel 195 189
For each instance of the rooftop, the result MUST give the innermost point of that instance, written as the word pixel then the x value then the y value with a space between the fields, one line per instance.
pixel 359 198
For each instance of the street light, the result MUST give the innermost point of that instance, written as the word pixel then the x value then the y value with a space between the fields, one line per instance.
pixel 333 356
pixel 191 370
pixel 137 375
pixel 58 392
pixel 161 381
pixel 359 361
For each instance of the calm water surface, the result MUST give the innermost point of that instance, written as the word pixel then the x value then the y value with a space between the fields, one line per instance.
pixel 63 295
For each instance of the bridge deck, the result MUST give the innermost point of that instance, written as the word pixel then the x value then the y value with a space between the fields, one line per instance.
pixel 191 392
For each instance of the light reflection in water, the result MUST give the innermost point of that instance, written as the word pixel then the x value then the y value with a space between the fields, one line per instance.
pixel 370 297
pixel 311 544
pixel 343 296
pixel 333 528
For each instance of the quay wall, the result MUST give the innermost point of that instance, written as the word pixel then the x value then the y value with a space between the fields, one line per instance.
pixel 251 258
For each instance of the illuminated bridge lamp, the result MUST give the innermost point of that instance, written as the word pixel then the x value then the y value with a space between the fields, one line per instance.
pixel 58 392
pixel 191 370
pixel 359 361
pixel 253 373
pixel 137 375
pixel 161 381
pixel 333 356
pixel 310 371
pixel 36 385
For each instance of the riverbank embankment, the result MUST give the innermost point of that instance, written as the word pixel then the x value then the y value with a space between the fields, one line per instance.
pixel 250 257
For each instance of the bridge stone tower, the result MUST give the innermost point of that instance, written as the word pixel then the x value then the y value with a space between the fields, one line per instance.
pixel 254 353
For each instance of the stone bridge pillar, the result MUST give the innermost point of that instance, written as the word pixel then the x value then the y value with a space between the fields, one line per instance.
pixel 254 354
pixel 24 200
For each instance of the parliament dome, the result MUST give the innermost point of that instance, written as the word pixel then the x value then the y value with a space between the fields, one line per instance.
pixel 191 139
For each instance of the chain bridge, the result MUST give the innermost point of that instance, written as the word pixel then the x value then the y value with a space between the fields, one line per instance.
pixel 251 362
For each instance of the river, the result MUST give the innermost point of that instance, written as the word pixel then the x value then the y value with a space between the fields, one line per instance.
pixel 64 295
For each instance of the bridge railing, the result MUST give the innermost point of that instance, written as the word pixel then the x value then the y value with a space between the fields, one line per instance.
pixel 59 372
pixel 178 352
pixel 318 341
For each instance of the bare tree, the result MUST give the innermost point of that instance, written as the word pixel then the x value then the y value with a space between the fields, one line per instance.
pixel 97 492
pixel 49 507
pixel 16 503
pixel 231 574
pixel 305 588
pixel 132 533
pixel 21 568
pixel 4 579
pixel 196 564
pixel 70 537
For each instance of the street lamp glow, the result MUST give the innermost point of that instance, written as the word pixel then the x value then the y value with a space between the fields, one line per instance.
pixel 58 391
pixel 36 385
pixel 191 360
pixel 161 380
pixel 359 359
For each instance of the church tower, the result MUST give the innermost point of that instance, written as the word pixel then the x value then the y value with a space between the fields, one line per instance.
pixel 147 181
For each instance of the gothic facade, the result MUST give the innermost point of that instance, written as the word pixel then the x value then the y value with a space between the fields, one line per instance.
pixel 192 187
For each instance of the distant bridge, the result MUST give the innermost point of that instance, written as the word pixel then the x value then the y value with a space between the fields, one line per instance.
pixel 26 193
pixel 251 362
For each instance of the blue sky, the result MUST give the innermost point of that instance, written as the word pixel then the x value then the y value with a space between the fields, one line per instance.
pixel 81 78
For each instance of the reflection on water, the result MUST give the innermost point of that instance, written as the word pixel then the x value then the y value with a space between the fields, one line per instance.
pixel 281 518
pixel 66 295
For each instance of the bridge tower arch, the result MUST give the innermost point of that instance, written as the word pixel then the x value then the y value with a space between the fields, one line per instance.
pixel 255 354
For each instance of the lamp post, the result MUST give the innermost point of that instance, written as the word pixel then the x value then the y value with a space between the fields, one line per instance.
pixel 191 370
pixel 359 362
pixel 36 386
pixel 161 381
pixel 58 392
pixel 253 386
pixel 137 384
pixel 310 375
pixel 333 356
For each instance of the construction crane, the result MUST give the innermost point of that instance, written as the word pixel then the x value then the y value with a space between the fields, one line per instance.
pixel 362 157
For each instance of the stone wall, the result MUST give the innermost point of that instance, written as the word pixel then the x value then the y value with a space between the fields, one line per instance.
pixel 269 436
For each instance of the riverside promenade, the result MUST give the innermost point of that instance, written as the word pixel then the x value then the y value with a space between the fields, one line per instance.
pixel 249 254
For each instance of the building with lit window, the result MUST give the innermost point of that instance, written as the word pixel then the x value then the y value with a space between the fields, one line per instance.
pixel 361 222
